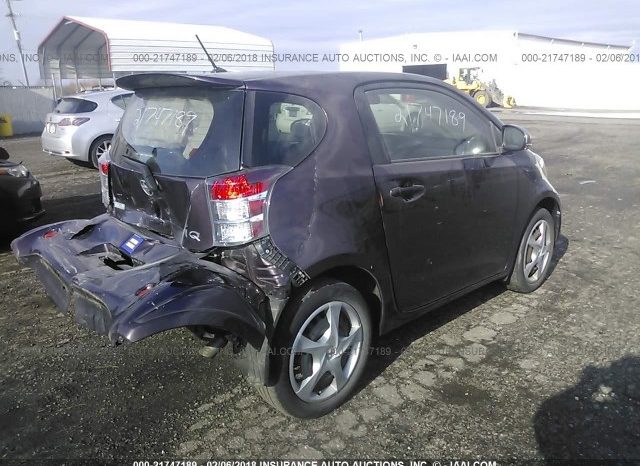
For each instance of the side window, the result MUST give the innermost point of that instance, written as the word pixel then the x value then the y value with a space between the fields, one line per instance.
pixel 418 123
pixel 286 128
pixel 122 100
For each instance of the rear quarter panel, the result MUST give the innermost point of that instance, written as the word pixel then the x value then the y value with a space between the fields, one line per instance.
pixel 325 212
pixel 103 122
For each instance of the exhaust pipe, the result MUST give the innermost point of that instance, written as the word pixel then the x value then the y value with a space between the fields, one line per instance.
pixel 214 345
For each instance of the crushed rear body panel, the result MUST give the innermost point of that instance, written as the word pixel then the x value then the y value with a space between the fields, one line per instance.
pixel 129 285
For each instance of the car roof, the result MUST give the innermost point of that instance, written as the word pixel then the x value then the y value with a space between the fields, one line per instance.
pixel 322 87
pixel 267 79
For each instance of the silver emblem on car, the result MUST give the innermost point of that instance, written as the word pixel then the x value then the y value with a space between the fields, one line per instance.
pixel 145 187
pixel 194 235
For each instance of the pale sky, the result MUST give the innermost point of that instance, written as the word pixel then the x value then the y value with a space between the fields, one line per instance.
pixel 322 25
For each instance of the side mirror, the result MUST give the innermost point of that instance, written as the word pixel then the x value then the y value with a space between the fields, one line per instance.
pixel 515 138
pixel 4 155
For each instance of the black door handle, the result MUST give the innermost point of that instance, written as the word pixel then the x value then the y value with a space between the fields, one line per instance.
pixel 408 193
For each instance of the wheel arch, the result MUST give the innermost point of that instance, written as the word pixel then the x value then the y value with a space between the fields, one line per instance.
pixel 359 278
pixel 553 206
pixel 95 140
pixel 258 366
pixel 366 284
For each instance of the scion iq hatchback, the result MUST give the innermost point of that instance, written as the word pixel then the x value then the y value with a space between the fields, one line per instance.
pixel 294 216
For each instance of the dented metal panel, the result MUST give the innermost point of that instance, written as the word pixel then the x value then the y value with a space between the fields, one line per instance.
pixel 79 267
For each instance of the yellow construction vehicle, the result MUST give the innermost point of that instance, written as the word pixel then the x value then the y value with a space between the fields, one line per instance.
pixel 468 80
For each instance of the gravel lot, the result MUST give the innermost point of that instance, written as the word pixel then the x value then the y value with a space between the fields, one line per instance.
pixel 497 375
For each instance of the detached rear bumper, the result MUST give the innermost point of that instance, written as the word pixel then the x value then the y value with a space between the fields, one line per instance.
pixel 159 286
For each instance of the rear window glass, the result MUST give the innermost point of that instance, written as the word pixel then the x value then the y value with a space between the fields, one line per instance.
pixel 183 131
pixel 75 105
pixel 285 129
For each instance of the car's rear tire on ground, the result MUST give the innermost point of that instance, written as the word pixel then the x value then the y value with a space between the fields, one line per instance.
pixel 482 97
pixel 535 253
pixel 98 147
pixel 321 349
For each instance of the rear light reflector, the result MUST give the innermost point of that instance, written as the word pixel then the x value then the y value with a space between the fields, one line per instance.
pixel 145 290
pixel 104 183
pixel 50 234
pixel 104 168
pixel 239 205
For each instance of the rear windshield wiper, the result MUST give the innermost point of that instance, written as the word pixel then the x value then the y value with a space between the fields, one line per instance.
pixel 150 162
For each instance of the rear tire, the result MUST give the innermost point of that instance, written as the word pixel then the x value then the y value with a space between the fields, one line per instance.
pixel 324 331
pixel 535 253
pixel 99 146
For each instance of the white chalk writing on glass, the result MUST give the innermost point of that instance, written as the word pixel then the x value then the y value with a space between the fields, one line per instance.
pixel 415 116
pixel 163 116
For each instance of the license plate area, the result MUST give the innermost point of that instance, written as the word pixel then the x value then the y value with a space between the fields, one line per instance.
pixel 132 243
pixel 112 257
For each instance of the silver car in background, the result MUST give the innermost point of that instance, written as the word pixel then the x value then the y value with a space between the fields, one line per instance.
pixel 81 126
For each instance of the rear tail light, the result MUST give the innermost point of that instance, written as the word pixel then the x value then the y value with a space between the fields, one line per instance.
pixel 104 182
pixel 72 121
pixel 239 205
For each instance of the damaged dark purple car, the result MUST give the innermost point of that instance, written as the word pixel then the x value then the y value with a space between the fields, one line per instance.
pixel 295 216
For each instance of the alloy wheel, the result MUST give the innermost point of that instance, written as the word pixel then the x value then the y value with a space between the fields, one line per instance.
pixel 102 148
pixel 325 351
pixel 538 251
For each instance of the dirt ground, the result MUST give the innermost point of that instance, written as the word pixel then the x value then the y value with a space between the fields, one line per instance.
pixel 494 375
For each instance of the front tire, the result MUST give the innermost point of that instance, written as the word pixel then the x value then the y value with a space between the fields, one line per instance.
pixel 535 252
pixel 321 349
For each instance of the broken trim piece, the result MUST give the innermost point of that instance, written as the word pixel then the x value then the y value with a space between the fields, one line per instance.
pixel 271 254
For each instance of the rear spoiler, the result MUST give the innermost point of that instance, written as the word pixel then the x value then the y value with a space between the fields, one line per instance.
pixel 133 82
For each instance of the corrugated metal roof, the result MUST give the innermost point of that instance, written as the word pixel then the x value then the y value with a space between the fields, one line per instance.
pixel 121 29
pixel 99 47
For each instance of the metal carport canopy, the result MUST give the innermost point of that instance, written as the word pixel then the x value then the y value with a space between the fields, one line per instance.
pixel 80 47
